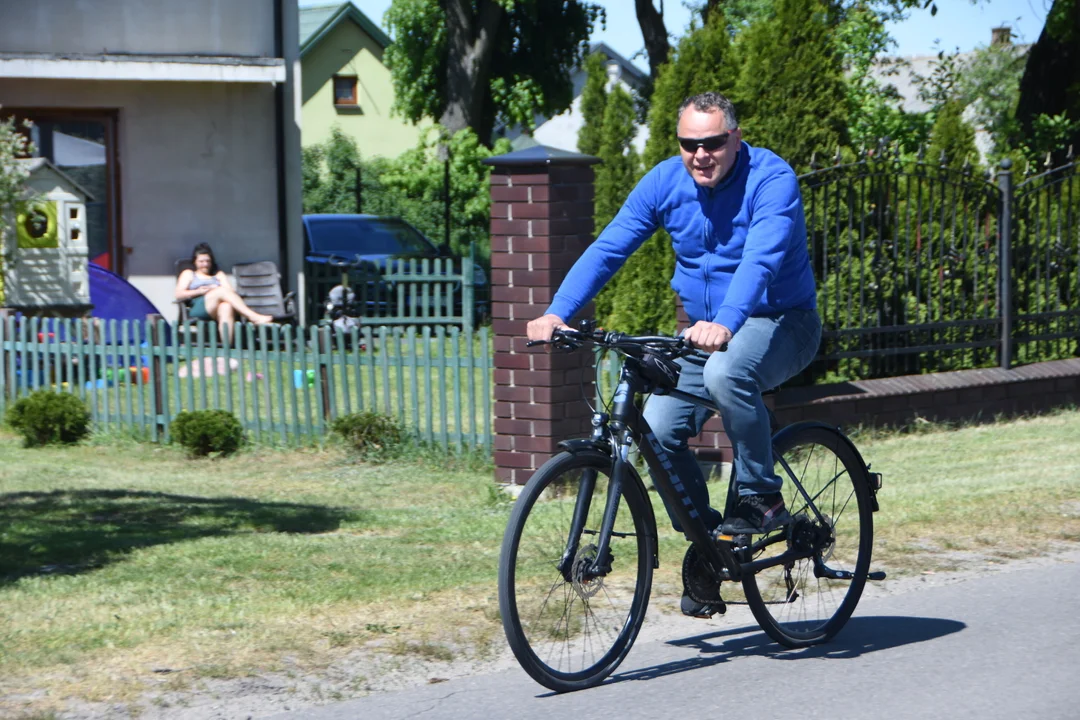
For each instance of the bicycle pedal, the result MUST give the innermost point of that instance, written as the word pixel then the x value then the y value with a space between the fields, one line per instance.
pixel 876 575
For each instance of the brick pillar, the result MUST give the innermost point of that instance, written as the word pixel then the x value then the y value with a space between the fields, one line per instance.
pixel 541 222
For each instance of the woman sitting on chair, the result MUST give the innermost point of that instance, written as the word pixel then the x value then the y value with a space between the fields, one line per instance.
pixel 211 295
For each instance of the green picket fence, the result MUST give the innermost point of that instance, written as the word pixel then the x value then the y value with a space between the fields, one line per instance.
pixel 285 384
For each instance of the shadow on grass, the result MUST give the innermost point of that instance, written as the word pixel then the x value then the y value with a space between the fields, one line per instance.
pixel 68 532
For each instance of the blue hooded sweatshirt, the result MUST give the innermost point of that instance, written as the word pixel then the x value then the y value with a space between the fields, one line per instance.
pixel 740 248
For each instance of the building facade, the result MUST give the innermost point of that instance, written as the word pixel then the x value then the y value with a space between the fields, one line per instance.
pixel 180 118
pixel 345 82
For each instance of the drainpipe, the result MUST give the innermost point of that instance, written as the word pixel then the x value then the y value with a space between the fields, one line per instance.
pixel 279 139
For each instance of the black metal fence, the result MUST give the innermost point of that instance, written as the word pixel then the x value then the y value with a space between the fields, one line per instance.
pixel 915 274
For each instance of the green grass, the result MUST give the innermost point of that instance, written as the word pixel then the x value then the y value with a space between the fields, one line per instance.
pixel 118 557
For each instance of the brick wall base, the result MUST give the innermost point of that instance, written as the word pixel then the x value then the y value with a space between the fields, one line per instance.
pixel 965 395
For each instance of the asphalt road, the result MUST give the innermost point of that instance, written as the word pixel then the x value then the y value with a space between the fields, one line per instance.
pixel 999 645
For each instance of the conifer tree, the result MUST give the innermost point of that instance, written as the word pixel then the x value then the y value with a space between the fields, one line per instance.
pixel 951 135
pixel 791 94
pixel 615 178
pixel 593 102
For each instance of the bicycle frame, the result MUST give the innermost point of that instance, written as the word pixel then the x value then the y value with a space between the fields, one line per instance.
pixel 627 427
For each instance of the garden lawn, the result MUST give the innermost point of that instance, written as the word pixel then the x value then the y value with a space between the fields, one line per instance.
pixel 122 563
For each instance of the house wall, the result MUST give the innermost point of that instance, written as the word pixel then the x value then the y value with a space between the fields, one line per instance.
pixel 348 50
pixel 197 163
pixel 166 27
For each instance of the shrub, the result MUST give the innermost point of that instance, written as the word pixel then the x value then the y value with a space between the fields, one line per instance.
pixel 376 437
pixel 205 431
pixel 45 417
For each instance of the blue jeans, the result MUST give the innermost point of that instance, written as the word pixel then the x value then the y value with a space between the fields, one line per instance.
pixel 764 353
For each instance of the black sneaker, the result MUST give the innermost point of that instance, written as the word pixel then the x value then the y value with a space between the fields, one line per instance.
pixel 756 515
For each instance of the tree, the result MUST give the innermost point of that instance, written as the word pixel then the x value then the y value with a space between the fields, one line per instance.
pixel 874 109
pixel 411 186
pixel 990 85
pixel 791 91
pixel 653 30
pixel 13 145
pixel 952 138
pixel 469 63
pixel 593 101
pixel 615 178
pixel 1050 85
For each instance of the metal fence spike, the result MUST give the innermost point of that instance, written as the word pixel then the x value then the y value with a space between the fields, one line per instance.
pixel 943 159
pixel 921 156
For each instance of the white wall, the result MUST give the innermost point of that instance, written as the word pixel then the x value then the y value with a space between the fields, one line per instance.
pixel 197 163
pixel 169 27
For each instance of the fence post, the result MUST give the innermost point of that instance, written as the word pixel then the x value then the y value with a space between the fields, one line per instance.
pixel 324 357
pixel 157 375
pixel 541 221
pixel 468 291
pixel 1005 262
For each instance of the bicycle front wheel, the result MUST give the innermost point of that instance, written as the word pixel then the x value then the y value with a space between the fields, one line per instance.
pixel 568 626
pixel 805 602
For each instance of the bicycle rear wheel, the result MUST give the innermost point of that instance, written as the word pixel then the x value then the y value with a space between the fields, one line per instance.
pixel 804 602
pixel 568 629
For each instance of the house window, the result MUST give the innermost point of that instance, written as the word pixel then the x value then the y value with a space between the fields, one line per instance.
pixel 345 90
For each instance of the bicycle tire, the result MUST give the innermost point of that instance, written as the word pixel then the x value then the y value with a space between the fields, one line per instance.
pixel 795 608
pixel 571 634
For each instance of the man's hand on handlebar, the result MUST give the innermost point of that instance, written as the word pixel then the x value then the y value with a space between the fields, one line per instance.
pixel 707 336
pixel 542 328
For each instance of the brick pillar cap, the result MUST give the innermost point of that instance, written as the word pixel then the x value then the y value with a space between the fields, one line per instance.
pixel 541 155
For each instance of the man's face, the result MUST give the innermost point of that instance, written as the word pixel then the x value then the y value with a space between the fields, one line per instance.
pixel 706 162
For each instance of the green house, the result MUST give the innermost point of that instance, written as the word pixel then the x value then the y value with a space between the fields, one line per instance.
pixel 345 82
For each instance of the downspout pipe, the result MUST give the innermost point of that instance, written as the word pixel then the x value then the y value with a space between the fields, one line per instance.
pixel 279 142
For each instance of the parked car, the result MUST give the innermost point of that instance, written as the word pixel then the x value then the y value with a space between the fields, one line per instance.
pixel 363 246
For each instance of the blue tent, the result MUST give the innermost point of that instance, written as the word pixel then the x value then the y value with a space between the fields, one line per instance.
pixel 114 298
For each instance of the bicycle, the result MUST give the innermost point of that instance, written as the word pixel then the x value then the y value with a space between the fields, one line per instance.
pixel 575 569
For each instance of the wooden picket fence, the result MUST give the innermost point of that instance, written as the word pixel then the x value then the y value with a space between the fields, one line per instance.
pixel 285 384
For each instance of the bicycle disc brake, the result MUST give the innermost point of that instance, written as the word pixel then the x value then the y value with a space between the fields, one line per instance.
pixel 585 584
pixel 700 583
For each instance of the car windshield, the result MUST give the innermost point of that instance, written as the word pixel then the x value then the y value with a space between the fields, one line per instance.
pixel 368 236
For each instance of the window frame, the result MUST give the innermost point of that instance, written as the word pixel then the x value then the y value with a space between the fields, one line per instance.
pixel 354 100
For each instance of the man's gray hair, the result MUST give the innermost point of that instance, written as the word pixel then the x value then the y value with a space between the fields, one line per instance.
pixel 711 102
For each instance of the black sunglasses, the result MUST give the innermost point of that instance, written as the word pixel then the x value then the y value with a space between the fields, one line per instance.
pixel 710 144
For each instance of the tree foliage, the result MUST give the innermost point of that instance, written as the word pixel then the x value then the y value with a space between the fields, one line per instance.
pixel 593 101
pixel 952 140
pixel 411 186
pixel 13 145
pixel 615 178
pixel 1050 86
pixel 791 91
pixel 471 63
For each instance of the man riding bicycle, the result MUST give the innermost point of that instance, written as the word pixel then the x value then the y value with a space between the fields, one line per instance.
pixel 743 273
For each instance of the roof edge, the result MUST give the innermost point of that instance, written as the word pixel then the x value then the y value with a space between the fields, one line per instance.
pixel 346 10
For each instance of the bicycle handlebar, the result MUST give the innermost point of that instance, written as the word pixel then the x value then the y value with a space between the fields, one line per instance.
pixel 568 339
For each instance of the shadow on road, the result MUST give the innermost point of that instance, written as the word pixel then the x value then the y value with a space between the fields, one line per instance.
pixel 861 635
